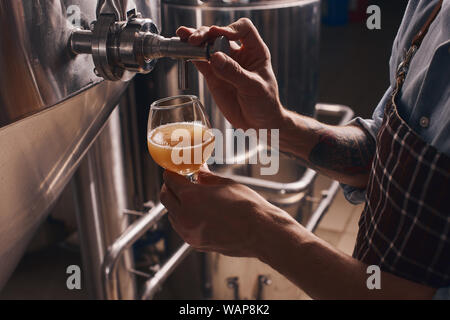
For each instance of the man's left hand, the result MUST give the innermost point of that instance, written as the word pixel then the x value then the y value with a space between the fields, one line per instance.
pixel 218 214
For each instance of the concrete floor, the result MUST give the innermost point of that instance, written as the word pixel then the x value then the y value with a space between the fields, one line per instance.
pixel 353 71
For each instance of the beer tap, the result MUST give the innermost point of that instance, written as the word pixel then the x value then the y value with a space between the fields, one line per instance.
pixel 121 49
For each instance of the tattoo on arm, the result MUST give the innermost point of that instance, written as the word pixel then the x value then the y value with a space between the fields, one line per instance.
pixel 350 153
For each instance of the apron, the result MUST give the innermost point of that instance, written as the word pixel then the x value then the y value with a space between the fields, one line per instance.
pixel 405 226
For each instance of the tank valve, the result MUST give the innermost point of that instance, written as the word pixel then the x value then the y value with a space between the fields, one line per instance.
pixel 122 48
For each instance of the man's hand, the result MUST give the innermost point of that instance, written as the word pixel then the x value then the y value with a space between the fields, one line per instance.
pixel 218 214
pixel 243 84
pixel 246 91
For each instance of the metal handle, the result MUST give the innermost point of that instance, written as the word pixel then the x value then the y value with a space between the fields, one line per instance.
pixel 155 46
pixel 154 284
pixel 323 207
pixel 116 7
pixel 233 283
pixel 125 241
pixel 121 48
pixel 183 74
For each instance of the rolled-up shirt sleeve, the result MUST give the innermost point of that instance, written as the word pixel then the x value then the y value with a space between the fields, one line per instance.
pixel 371 127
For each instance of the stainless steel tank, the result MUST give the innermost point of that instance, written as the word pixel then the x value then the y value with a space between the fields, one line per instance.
pixel 52 107
pixel 290 29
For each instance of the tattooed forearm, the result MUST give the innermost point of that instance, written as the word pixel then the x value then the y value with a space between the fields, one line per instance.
pixel 345 150
pixel 343 153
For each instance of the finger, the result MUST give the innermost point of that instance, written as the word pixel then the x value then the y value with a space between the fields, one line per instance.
pixel 176 183
pixel 199 36
pixel 215 84
pixel 229 70
pixel 169 200
pixel 184 32
pixel 205 69
pixel 243 30
pixel 224 94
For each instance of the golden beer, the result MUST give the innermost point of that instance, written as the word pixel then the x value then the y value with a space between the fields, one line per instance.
pixel 181 147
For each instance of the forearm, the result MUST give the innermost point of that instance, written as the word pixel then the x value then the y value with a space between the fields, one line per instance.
pixel 323 272
pixel 343 153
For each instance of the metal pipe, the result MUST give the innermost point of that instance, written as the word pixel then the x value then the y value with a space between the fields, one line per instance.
pixel 293 187
pixel 125 241
pixel 156 46
pixel 101 197
pixel 154 284
pixel 323 207
pixel 81 42
pixel 183 79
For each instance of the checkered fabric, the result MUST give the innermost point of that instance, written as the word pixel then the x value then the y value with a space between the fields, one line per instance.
pixel 405 225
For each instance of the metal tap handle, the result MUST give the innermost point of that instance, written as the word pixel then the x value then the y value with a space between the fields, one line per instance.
pixel 156 46
pixel 221 44
pixel 116 7
pixel 121 49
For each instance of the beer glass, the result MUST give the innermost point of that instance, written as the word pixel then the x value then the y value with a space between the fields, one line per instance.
pixel 179 135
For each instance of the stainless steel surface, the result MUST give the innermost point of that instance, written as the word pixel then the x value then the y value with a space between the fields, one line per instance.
pixel 80 41
pixel 292 187
pixel 52 106
pixel 154 284
pixel 263 281
pixel 183 76
pixel 38 156
pixel 101 197
pixel 37 70
pixel 121 47
pixel 124 242
pixel 323 207
pixel 227 3
pixel 150 9
pixel 118 8
pixel 156 46
pixel 290 29
pixel 233 284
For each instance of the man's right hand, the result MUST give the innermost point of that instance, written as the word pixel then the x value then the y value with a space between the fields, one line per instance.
pixel 244 87
pixel 243 84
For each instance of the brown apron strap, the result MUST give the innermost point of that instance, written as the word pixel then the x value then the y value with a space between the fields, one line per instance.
pixel 419 37
pixel 417 41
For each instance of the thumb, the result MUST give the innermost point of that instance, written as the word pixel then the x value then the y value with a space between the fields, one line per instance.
pixel 229 70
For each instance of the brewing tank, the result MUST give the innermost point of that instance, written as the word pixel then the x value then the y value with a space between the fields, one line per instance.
pixel 290 29
pixel 52 108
